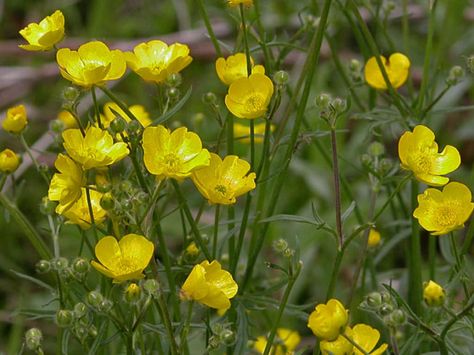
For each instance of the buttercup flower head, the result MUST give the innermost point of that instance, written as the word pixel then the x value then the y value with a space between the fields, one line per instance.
pixel 224 180
pixel 111 110
pixel 285 342
pixel 125 259
pixel 210 285
pixel 67 119
pixel 173 154
pixel 9 161
pixel 44 35
pixel 433 294
pixel 440 212
pixel 339 346
pixel 234 3
pixel 328 320
pixel 242 132
pixel 235 67
pixel 65 186
pixel 95 149
pixel 16 119
pixel 397 68
pixel 79 214
pixel 249 97
pixel 92 64
pixel 155 60
pixel 374 238
pixel 418 152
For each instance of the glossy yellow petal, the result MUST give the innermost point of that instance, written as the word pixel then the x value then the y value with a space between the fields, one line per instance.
pixel 374 238
pixel 366 337
pixel 195 286
pixel 339 346
pixel 79 213
pixel 397 68
pixel 46 34
pixel 9 161
pixel 234 3
pixel 260 344
pixel 289 337
pixel 102 269
pixel 328 320
pixel 137 250
pixel 433 294
pixel 16 119
pixel 234 67
pixel 108 252
pixel 221 278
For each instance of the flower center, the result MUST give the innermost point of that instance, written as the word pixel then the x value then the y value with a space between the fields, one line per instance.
pixel 255 102
pixel 172 162
pixel 221 189
pixel 446 215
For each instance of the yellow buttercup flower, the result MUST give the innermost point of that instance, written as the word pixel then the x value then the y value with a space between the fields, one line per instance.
pixel 397 67
pixel 234 3
pixel 235 67
pixel 9 161
pixel 339 346
pixel 67 119
pixel 125 259
pixel 374 238
pixel 96 149
pixel 328 320
pixel 367 338
pixel 440 212
pixel 210 285
pixel 111 109
pixel 242 132
pixel 65 186
pixel 173 154
pixel 44 35
pixel 92 64
pixel 249 97
pixel 79 214
pixel 224 180
pixel 285 342
pixel 133 292
pixel 192 249
pixel 155 60
pixel 433 294
pixel 16 119
pixel 418 152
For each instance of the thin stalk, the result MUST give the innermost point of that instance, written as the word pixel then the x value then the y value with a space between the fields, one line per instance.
pixel 234 260
pixel 33 159
pixel 161 304
pixel 334 274
pixel 432 257
pixel 54 236
pixel 414 258
pixel 197 235
pixel 216 232
pixel 210 31
pixel 434 102
pixel 267 54
pixel 184 332
pixel 307 75
pixel 350 340
pixel 337 191
pixel 91 212
pixel 468 240
pixel 458 266
pixel 96 107
pixel 466 310
pixel 292 276
pixel 428 54
pixel 119 102
pixel 390 198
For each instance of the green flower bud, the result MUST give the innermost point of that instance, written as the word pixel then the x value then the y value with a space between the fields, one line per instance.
pixel 173 93
pixel 141 197
pixel 209 98
pixel 126 186
pixel 366 160
pixel 33 338
pixel 174 80
pixel 374 300
pixel 105 306
pixel 133 293
pixel 470 63
pixel 355 65
pixel 43 168
pixel 80 310
pixel 228 337
pixel 455 75
pixel 280 245
pixel 59 264
pixel 43 266
pixel 398 317
pixel 338 105
pixel 134 127
pixel 288 253
pixel 64 318
pixel 386 165
pixel 118 125
pixel 281 77
pixel 57 126
pixel 386 309
pixel 80 265
pixel 322 101
pixel 151 287
pixel 386 298
pixel 94 298
pixel 376 149
pixel 107 201
pixel 197 119
pixel 71 93
pixel 92 331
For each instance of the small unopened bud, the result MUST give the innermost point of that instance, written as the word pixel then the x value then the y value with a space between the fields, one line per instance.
pixel 455 75
pixel 33 338
pixel 280 245
pixel 57 126
pixel 92 330
pixel 59 264
pixel 227 336
pixel 398 317
pixel 281 77
pixel 133 293
pixel 214 342
pixel 118 125
pixel 376 149
pixel 433 294
pixel 43 266
pixel 80 310
pixel 386 309
pixel 94 298
pixel 209 98
pixel 470 63
pixel 355 65
pixel 107 201
pixel 192 249
pixel 197 119
pixel 173 93
pixel 338 105
pixel 374 300
pixel 134 127
pixel 80 265
pixel 151 287
pixel 386 165
pixel 174 80
pixel 288 253
pixel 322 101
pixel 141 197
pixel 64 318
pixel 43 168
pixel 126 186
pixel 366 159
pixel 105 306
pixel 71 93
pixel 386 298
pixel 374 238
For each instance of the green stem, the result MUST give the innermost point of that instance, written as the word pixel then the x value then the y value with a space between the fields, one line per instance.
pixel 184 332
pixel 96 107
pixel 350 340
pixel 309 70
pixel 216 232
pixel 390 198
pixel 119 102
pixel 167 323
pixel 337 191
pixel 197 235
pixel 91 212
pixel 33 159
pixel 210 31
pixel 334 274
pixel 458 266
pixel 414 256
pixel 432 256
pixel 291 281
pixel 453 320
pixel 243 226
